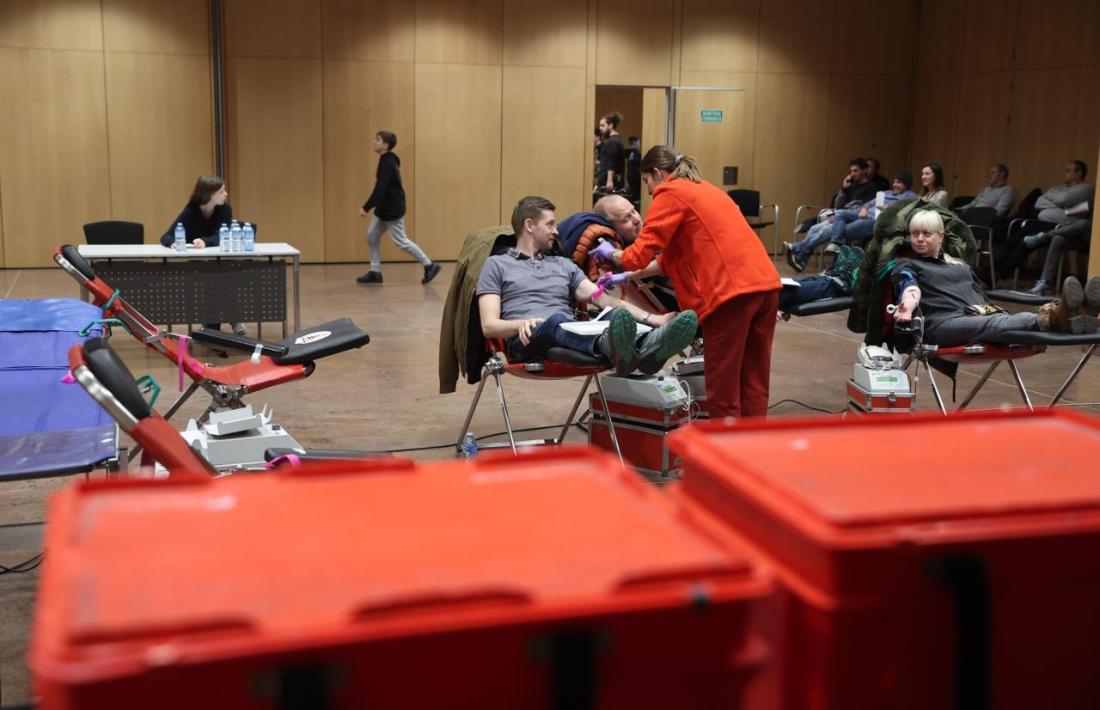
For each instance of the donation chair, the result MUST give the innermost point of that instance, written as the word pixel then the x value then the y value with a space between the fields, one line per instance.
pixel 748 201
pixel 270 364
pixel 106 379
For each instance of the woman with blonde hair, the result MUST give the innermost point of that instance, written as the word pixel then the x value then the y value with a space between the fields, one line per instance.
pixel 720 270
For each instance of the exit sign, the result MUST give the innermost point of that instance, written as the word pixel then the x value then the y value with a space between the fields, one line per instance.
pixel 711 115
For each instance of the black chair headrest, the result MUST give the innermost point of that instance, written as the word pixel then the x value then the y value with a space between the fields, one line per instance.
pixel 113 374
pixel 79 263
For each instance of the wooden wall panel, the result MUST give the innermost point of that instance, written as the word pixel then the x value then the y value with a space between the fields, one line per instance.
pixel 982 131
pixel 458 152
pixel 877 129
pixel 258 28
pixel 721 36
pixel 51 24
pixel 159 134
pixel 654 112
pixel 156 27
pixel 466 32
pixel 934 126
pixel 1044 117
pixel 790 166
pixel 540 34
pixel 1054 35
pixel 796 36
pixel 545 106
pixel 1087 134
pixel 53 153
pixel 855 50
pixel 1094 252
pixel 367 30
pixel 360 99
pixel 275 149
pixel 990 27
pixel 746 126
pixel 634 42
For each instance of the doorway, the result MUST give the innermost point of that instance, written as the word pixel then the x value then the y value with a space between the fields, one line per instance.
pixel 626 102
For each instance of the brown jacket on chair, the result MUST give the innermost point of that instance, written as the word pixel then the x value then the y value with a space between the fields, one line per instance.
pixel 460 351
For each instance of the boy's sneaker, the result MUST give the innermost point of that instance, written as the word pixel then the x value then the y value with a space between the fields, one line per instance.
pixel 430 272
pixel 1041 288
pixel 832 248
pixel 617 342
pixel 371 277
pixel 239 329
pixel 793 259
pixel 660 344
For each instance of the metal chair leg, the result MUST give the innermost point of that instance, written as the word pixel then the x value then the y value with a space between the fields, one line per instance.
pixel 504 411
pixel 981 381
pixel 610 422
pixel 573 411
pixel 181 399
pixel 935 387
pixel 473 406
pixel 1073 375
pixel 1020 385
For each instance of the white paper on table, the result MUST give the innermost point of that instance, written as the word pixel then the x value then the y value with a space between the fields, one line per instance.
pixel 788 281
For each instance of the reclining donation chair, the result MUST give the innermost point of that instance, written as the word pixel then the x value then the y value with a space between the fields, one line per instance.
pixel 271 363
pixel 105 377
pixel 560 363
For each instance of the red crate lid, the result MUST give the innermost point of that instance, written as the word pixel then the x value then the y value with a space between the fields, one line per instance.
pixel 862 473
pixel 366 549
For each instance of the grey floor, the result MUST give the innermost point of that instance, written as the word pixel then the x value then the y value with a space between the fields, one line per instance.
pixel 385 396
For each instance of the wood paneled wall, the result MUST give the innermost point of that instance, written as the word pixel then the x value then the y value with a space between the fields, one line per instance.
pixel 107 107
pixel 1012 81
pixel 106 115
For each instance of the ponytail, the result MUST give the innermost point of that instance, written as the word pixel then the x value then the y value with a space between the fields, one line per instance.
pixel 661 157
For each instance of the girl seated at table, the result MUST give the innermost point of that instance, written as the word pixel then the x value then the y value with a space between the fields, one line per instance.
pixel 206 211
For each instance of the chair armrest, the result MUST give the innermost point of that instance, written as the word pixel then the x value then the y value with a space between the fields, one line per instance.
pixel 239 342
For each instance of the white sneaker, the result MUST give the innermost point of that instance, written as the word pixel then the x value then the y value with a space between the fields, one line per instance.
pixel 832 248
pixel 239 329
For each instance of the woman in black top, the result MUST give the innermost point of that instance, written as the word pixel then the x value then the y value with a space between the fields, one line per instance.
pixel 206 211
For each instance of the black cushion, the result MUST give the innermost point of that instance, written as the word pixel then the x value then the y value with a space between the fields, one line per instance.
pixel 1038 337
pixel 79 263
pixel 824 305
pixel 112 373
pixel 239 342
pixel 1026 299
pixel 321 341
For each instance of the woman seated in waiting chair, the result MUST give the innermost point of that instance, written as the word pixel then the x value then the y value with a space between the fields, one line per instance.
pixel 202 216
pixel 954 306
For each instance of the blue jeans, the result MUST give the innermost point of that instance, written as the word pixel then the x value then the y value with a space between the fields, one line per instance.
pixel 848 228
pixel 813 288
pixel 548 335
pixel 819 233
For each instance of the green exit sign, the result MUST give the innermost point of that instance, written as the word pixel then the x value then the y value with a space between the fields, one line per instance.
pixel 711 115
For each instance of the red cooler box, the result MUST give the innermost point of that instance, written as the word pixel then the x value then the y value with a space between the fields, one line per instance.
pixel 551 580
pixel 928 562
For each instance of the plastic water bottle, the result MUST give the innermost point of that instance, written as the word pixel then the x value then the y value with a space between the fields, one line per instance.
pixel 469 445
pixel 223 237
pixel 249 237
pixel 235 238
pixel 181 237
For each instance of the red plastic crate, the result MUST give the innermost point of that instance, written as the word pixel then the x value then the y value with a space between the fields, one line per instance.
pixel 927 562
pixel 554 579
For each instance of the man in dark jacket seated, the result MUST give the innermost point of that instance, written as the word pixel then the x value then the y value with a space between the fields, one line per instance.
pixel 525 296
pixel 954 306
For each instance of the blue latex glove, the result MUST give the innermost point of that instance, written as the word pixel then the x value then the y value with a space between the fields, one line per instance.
pixel 603 251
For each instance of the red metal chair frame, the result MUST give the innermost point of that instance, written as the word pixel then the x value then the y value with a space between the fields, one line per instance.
pixel 547 369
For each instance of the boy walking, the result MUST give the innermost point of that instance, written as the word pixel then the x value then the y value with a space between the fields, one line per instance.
pixel 388 202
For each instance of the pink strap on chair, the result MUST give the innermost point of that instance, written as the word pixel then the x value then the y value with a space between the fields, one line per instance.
pixel 291 459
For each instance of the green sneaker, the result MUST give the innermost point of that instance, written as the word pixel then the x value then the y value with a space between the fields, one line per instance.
pixel 617 342
pixel 660 344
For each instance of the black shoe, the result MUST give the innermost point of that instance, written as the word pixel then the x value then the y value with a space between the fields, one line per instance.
pixel 371 277
pixel 430 272
pixel 617 342
pixel 660 344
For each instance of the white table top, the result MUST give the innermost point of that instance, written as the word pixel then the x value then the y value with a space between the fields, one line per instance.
pixel 156 251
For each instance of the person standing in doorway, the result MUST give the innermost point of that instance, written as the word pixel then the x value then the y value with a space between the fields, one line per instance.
pixel 612 163
pixel 388 202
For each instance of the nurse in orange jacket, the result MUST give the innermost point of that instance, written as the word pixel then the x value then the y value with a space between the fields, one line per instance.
pixel 720 269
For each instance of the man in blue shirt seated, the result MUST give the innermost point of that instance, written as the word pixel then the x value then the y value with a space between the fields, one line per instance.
pixel 525 296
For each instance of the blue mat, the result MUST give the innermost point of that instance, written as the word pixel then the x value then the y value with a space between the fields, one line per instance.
pixel 56 453
pixel 47 314
pixel 38 401
pixel 37 350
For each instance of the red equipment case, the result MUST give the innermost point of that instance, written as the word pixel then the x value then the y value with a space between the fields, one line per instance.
pixel 642 432
pixel 553 579
pixel 927 562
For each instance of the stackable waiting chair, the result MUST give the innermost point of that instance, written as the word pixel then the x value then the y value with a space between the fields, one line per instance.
pixel 748 201
pixel 114 232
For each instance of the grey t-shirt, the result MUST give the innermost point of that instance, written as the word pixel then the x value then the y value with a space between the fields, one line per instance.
pixel 530 288
pixel 1053 203
pixel 999 198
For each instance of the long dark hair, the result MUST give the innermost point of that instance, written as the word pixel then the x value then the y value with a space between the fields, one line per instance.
pixel 937 178
pixel 205 187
